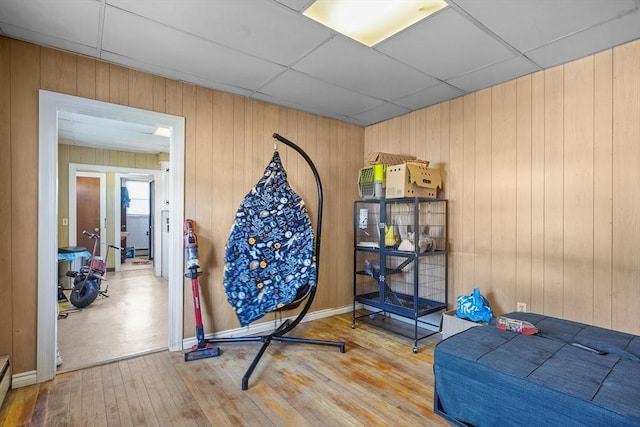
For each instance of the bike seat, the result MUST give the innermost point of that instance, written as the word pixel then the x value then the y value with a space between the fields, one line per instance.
pixel 71 249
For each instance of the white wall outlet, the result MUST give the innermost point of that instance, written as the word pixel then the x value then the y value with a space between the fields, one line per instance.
pixel 65 221
pixel 521 306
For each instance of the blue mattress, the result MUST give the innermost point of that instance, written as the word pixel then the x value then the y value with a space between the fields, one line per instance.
pixel 488 377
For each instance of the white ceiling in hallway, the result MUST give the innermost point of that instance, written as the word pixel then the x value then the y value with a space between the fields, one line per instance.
pixel 266 49
pixel 109 134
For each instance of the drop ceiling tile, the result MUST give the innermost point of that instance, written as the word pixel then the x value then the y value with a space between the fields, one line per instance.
pixel 587 42
pixel 528 24
pixel 74 21
pixel 299 5
pixel 148 42
pixel 349 64
pixel 384 112
pixel 444 45
pixel 263 29
pixel 295 87
pixel 494 74
pixel 305 108
pixel 431 96
pixel 44 40
pixel 174 74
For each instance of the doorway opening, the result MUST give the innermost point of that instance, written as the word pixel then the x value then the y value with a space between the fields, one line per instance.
pixel 52 105
pixel 135 217
pixel 131 316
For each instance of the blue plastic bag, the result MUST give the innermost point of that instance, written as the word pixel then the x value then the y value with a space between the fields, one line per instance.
pixel 474 307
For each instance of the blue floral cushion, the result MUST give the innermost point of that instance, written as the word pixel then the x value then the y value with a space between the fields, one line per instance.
pixel 270 251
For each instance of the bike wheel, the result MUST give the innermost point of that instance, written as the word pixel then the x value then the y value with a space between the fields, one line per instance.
pixel 81 296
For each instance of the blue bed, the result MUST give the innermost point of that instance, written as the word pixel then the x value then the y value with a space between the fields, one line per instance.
pixel 488 377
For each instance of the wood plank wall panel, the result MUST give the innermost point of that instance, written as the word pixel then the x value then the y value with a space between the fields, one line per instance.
pixel 482 209
pixel 189 113
pixel 454 191
pixel 444 143
pixel 626 176
pixel 537 194
pixel 523 191
pixel 118 85
pixel 204 197
pixel 331 168
pixel 350 192
pixel 578 189
pixel 445 113
pixel 189 110
pixel 102 81
pixel 467 257
pixel 547 215
pixel 222 132
pixel 205 194
pixel 553 190
pixel 86 83
pixel 25 80
pixel 602 185
pixel 222 157
pixel 6 291
pixel 140 90
pixel 59 65
pixel 503 195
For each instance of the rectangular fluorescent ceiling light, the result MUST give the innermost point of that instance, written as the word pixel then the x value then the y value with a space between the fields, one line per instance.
pixel 166 132
pixel 371 21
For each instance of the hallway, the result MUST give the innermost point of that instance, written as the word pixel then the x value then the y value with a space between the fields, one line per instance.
pixel 131 321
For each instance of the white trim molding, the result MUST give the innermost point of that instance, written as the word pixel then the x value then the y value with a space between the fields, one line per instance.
pixel 263 327
pixel 50 104
pixel 23 379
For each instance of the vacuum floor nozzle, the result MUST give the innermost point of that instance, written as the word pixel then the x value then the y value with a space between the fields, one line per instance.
pixel 201 353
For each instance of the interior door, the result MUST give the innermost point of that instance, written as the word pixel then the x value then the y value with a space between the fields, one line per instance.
pixel 87 209
pixel 151 218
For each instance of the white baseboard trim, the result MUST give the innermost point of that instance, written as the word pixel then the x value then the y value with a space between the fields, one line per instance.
pixel 265 326
pixel 24 379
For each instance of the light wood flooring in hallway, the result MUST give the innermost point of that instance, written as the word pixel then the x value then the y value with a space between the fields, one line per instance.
pixel 131 321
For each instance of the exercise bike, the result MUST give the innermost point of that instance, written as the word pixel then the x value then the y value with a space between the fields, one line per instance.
pixel 87 283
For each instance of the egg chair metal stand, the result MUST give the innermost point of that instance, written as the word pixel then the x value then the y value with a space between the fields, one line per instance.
pixel 304 295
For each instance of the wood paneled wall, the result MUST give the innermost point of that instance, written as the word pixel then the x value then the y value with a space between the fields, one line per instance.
pixel 541 173
pixel 228 144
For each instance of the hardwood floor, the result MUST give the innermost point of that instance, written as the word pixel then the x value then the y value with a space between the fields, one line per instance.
pixel 131 321
pixel 377 381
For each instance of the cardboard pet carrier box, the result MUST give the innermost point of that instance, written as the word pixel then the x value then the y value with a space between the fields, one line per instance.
pixel 387 158
pixel 412 179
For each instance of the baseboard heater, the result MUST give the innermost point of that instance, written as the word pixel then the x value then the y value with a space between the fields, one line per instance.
pixel 5 377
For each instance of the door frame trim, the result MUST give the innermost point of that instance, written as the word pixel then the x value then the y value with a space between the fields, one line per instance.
pixel 49 105
pixel 120 172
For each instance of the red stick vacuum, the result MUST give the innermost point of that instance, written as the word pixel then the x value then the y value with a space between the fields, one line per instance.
pixel 202 350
